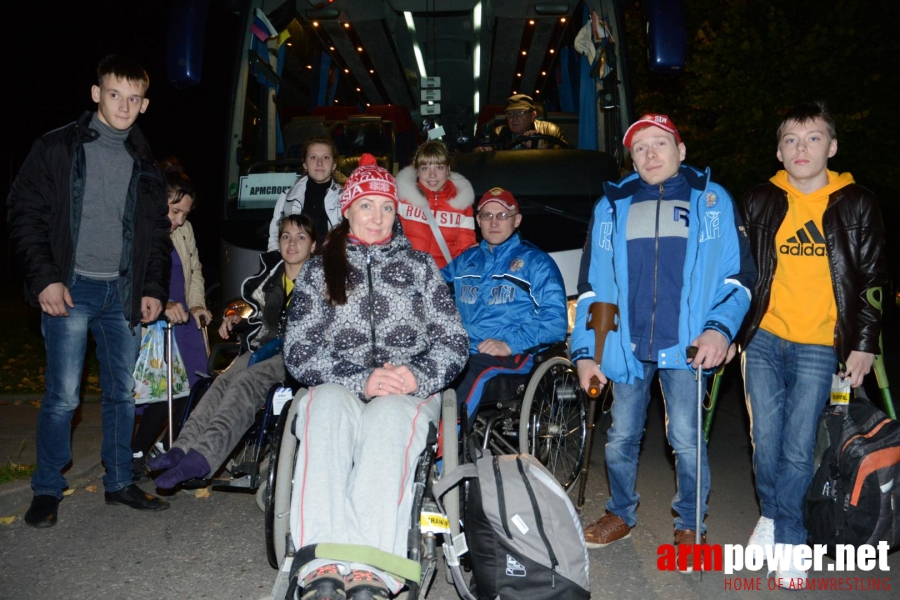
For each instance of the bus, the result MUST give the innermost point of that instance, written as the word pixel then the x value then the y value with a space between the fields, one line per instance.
pixel 382 77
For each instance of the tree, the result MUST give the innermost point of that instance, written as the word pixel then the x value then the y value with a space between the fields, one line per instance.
pixel 749 61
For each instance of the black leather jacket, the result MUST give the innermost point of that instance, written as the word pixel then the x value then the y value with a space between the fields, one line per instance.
pixel 44 214
pixel 854 237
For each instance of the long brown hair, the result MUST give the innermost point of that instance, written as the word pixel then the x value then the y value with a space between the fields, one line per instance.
pixel 335 264
pixel 325 141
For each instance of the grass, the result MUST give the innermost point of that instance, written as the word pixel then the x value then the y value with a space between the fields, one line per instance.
pixel 15 472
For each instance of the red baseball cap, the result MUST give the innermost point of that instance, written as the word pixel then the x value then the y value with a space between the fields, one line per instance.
pixel 502 197
pixel 651 120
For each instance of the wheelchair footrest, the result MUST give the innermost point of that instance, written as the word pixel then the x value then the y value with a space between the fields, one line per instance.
pixel 283 580
pixel 245 482
pixel 245 468
pixel 195 483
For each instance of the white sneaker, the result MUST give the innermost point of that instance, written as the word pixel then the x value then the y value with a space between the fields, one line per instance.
pixel 156 449
pixel 792 579
pixel 764 533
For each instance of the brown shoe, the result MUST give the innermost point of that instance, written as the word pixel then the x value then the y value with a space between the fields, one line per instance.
pixel 610 528
pixel 686 536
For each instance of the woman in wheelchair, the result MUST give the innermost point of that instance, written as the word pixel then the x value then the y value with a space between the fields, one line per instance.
pixel 229 407
pixel 375 335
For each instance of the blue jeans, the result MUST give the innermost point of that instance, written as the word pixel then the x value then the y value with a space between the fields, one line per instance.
pixel 786 386
pixel 98 309
pixel 629 414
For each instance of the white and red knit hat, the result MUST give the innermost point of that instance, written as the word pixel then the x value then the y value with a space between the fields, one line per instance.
pixel 368 179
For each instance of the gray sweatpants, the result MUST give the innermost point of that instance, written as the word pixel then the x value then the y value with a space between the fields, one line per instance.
pixel 228 408
pixel 355 467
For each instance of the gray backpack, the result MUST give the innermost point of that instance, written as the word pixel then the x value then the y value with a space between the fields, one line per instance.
pixel 521 530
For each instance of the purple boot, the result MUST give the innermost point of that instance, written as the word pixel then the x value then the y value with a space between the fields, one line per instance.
pixel 166 460
pixel 192 465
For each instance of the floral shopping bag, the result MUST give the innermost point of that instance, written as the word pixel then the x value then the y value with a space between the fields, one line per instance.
pixel 150 371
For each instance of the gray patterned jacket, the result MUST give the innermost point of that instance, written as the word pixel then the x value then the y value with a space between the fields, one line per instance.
pixel 398 310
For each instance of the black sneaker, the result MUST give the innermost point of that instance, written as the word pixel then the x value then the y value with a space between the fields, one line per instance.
pixel 141 472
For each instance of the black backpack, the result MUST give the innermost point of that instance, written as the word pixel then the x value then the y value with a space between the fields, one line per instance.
pixel 854 497
pixel 523 534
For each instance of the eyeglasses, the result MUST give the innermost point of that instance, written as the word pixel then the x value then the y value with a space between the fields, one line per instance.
pixel 511 114
pixel 486 216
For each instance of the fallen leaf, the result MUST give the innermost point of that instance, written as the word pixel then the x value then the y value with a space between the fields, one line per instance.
pixel 69 492
pixel 90 488
pixel 7 520
pixel 202 493
pixel 35 403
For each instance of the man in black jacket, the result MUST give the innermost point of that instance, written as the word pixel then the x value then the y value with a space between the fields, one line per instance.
pixel 88 222
pixel 817 238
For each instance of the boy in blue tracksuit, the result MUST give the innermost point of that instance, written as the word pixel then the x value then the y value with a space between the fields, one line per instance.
pixel 668 250
pixel 509 294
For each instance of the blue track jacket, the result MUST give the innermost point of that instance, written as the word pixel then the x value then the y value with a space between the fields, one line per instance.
pixel 719 275
pixel 514 294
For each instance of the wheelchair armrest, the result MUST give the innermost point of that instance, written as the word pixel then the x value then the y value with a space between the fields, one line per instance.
pixel 557 349
pixel 221 352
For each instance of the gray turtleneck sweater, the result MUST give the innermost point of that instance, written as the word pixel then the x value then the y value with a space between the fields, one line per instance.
pixel 98 253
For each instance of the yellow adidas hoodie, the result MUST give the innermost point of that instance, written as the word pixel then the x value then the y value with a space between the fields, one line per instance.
pixel 802 308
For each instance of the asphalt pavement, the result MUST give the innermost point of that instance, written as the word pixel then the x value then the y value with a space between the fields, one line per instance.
pixel 18 422
pixel 214 547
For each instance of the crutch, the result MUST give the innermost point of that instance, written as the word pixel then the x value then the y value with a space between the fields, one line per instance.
pixel 691 353
pixel 873 295
pixel 205 335
pixel 602 318
pixel 169 376
pixel 713 396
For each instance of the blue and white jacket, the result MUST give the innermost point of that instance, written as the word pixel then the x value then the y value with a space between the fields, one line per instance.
pixel 718 275
pixel 514 294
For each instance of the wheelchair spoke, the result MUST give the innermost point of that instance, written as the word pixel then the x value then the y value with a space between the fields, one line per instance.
pixel 558 424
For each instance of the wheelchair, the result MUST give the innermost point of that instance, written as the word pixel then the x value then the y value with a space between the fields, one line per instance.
pixel 543 413
pixel 247 465
pixel 426 522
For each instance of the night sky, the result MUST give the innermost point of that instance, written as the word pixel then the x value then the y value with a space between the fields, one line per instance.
pixel 52 67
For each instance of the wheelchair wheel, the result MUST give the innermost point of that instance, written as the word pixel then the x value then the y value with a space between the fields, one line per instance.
pixel 450 458
pixel 450 453
pixel 279 480
pixel 553 420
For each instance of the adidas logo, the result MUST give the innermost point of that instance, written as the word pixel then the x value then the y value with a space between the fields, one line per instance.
pixel 809 241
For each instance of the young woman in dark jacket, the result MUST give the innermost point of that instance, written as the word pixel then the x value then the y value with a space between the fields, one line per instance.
pixel 228 409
